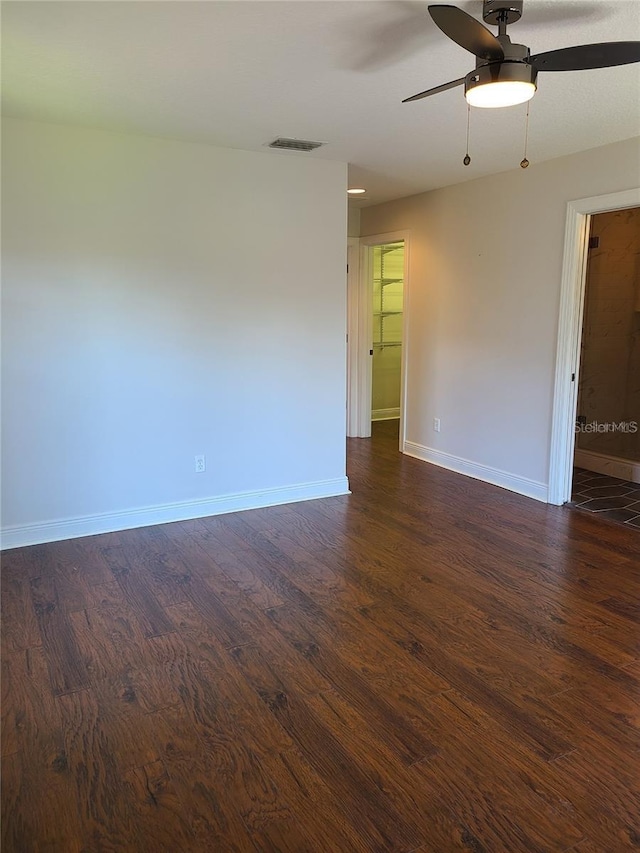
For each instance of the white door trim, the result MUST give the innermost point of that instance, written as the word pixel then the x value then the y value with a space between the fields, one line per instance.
pixel 360 366
pixel 353 337
pixel 572 291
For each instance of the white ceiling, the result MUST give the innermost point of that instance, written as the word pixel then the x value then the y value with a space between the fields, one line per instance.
pixel 241 73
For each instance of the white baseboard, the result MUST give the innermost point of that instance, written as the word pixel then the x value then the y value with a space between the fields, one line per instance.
pixel 602 463
pixel 90 525
pixel 385 414
pixel 521 485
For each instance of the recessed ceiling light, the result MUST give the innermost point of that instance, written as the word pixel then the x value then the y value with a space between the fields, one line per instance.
pixel 356 191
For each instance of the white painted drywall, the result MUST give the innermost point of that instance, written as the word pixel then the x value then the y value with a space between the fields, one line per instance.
pixel 160 300
pixel 353 221
pixel 485 271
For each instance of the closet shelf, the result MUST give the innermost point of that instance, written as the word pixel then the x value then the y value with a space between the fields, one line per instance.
pixel 387 301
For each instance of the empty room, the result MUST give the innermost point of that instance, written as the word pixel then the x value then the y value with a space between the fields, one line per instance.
pixel 301 549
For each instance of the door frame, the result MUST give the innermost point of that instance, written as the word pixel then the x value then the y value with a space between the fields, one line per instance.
pixel 354 380
pixel 574 275
pixel 360 332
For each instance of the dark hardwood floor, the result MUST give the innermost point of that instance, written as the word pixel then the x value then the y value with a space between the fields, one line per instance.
pixel 432 664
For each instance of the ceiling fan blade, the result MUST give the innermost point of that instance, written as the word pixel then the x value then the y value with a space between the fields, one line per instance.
pixel 435 90
pixel 583 56
pixel 467 32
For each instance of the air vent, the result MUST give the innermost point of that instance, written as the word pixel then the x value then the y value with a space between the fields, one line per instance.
pixel 294 144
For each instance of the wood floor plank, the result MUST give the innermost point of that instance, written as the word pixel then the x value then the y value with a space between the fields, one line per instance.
pixel 232 749
pixel 483 803
pixel 516 775
pixel 216 531
pixel 464 730
pixel 400 526
pixel 37 813
pixel 419 809
pixel 109 636
pixel 240 567
pixel 130 575
pixel 325 817
pixel 605 795
pixel 569 718
pixel 500 663
pixel 217 713
pixel 406 631
pixel 633 669
pixel 114 649
pixel 96 780
pixel 293 665
pixel 311 570
pixel 586 846
pixel 157 809
pixel 391 727
pixel 86 556
pixel 141 550
pixel 366 649
pixel 185 568
pixel 65 565
pixel 379 823
pixel 67 671
pixel 629 610
pixel 441 564
pixel 19 625
pixel 9 711
pixel 208 809
pixel 36 780
pixel 30 715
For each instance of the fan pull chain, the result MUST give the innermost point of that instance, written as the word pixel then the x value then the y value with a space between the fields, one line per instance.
pixel 467 159
pixel 524 162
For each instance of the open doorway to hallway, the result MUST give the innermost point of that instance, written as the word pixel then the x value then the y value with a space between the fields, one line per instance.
pixel 607 447
pixel 570 327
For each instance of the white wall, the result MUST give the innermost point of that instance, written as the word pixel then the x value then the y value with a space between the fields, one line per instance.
pixel 160 300
pixel 485 270
pixel 353 221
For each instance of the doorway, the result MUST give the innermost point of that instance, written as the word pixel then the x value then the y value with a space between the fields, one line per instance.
pixel 387 267
pixel 606 476
pixel 377 308
pixel 570 335
pixel 608 411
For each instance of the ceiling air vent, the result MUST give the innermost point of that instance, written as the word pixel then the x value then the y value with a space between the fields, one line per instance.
pixel 294 144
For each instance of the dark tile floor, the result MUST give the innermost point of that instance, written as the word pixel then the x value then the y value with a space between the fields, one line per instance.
pixel 611 498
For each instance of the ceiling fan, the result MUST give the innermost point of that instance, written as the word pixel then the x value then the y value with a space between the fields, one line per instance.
pixel 506 73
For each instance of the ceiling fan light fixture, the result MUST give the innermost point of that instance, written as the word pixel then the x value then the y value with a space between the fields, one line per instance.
pixel 500 84
pixel 505 94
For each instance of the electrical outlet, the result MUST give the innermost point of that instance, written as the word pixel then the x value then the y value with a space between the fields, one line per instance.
pixel 436 424
pixel 200 465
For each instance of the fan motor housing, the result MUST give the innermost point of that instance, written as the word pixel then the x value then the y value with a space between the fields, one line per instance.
pixel 506 11
pixel 512 52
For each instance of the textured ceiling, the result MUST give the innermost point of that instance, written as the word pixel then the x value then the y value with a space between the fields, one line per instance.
pixel 239 74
